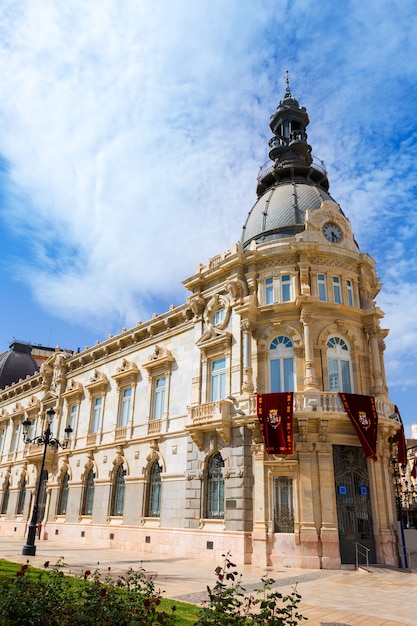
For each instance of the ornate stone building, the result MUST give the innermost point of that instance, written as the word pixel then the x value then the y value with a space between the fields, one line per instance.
pixel 166 453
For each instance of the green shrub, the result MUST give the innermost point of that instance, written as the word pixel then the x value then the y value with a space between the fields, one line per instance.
pixel 48 598
pixel 228 604
pixel 52 599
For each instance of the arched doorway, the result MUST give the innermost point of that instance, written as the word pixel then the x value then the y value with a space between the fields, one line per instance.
pixel 353 501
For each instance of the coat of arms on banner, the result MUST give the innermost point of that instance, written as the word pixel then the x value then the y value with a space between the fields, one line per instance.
pixel 363 420
pixel 274 418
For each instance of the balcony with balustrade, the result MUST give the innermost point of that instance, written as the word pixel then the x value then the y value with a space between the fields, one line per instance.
pixel 221 415
pixel 208 417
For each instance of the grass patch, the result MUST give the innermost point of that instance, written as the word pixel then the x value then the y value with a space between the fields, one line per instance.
pixel 185 614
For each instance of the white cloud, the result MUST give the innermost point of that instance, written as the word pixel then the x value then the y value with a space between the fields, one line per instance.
pixel 134 132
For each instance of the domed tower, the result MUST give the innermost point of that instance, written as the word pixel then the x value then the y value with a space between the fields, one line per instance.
pixel 296 298
pixel 292 183
pixel 16 364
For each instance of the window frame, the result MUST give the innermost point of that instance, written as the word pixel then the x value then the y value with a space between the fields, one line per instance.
pixel 215 487
pixel 337 290
pixel 322 287
pixel 278 289
pixel 93 427
pixel 87 503
pixel 125 415
pixel 282 354
pixel 218 379
pixel 118 492
pixel 154 490
pixel 158 397
pixel 62 503
pixel 339 365
pixel 350 293
pixel 5 497
pixel 283 504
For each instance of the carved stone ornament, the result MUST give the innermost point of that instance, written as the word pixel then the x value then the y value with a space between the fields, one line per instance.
pixel 160 359
pixel 119 457
pixel 237 289
pixel 127 372
pixel 196 304
pixel 97 382
pixel 154 452
pixel 216 302
pixel 74 389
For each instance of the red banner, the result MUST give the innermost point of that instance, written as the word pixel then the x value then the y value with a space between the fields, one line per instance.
pixel 274 412
pixel 402 444
pixel 363 415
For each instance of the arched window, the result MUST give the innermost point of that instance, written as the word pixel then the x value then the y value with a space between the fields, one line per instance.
pixel 63 495
pixel 118 491
pixel 339 364
pixel 88 495
pixel 22 497
pixel 281 364
pixel 153 508
pixel 215 487
pixel 5 499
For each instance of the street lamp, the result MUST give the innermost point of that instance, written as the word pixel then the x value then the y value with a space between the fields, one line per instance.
pixel 45 440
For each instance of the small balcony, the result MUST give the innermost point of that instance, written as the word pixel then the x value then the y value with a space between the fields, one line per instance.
pixel 208 417
pixel 34 452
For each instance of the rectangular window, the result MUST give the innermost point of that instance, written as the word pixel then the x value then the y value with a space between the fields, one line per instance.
pixel 350 293
pixel 284 505
pixel 218 379
pixel 278 289
pixel 15 438
pixel 2 433
pixel 321 284
pixel 269 291
pixel 96 418
pixel 125 407
pixel 337 294
pixel 345 372
pixel 159 398
pixel 333 375
pixel 72 419
pixel 282 375
pixel 286 288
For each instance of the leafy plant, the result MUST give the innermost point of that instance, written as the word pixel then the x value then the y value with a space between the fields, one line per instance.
pixel 52 599
pixel 228 604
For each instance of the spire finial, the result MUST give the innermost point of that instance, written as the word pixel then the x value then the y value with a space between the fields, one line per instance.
pixel 287 83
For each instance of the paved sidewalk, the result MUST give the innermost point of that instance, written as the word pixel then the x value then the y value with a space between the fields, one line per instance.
pixel 384 597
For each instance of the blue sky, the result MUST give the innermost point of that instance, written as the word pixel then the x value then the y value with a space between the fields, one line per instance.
pixel 131 134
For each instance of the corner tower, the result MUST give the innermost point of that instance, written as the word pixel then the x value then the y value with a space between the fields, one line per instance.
pixel 298 314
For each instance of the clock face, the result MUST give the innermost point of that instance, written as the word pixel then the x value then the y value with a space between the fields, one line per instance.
pixel 332 232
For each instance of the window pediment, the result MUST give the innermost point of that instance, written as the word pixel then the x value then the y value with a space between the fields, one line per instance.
pixel 214 338
pixel 160 360
pixel 126 373
pixel 34 406
pixel 74 391
pixel 98 383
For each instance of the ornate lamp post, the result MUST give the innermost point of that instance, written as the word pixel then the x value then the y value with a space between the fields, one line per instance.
pixel 45 440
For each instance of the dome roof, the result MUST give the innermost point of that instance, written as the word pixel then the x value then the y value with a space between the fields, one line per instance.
pixel 292 183
pixel 281 210
pixel 16 364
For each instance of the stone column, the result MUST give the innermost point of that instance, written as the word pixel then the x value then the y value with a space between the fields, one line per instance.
pixel 383 510
pixel 307 532
pixel 247 383
pixel 329 532
pixel 260 501
pixel 373 334
pixel 310 380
